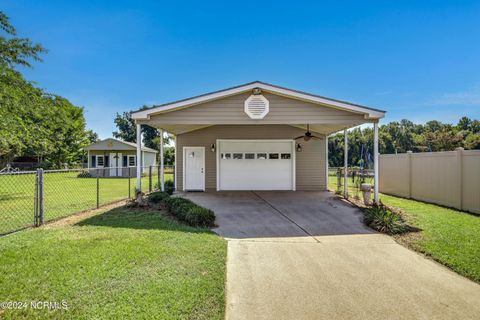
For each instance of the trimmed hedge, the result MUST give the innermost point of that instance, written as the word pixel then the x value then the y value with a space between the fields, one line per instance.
pixel 184 209
pixel 190 212
pixel 157 197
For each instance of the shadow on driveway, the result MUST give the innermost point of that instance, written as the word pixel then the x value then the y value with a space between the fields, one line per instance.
pixel 280 214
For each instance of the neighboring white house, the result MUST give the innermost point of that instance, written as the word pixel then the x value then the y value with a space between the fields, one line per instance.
pixel 119 157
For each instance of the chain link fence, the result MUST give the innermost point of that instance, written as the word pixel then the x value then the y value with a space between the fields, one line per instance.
pixel 31 198
pixel 356 176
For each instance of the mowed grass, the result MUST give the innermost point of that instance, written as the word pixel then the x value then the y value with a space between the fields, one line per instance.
pixel 449 236
pixel 121 264
pixel 64 194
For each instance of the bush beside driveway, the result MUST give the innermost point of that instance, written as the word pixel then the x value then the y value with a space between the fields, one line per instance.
pixel 120 264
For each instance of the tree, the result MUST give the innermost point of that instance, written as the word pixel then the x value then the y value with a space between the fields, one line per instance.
pixel 472 141
pixel 127 131
pixel 464 124
pixel 16 51
pixel 34 123
pixel 169 156
pixel 404 136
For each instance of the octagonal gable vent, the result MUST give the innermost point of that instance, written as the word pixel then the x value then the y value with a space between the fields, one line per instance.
pixel 256 106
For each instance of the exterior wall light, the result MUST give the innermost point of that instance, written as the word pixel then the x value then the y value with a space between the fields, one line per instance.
pixel 257 91
pixel 212 147
pixel 299 147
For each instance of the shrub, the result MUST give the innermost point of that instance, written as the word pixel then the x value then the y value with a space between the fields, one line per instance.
pixel 189 212
pixel 385 220
pixel 169 187
pixel 157 197
pixel 200 216
pixel 84 174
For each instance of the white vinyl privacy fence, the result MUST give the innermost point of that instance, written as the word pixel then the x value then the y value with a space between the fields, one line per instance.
pixel 450 178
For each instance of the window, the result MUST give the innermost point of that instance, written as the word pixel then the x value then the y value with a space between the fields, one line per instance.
pixel 226 156
pixel 261 156
pixel 131 161
pixel 249 156
pixel 100 161
pixel 285 156
pixel 238 156
pixel 273 156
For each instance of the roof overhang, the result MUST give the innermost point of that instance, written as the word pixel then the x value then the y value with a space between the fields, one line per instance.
pixel 110 144
pixel 360 114
pixel 370 113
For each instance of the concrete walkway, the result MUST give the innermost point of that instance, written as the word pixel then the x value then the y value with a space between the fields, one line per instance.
pixel 306 255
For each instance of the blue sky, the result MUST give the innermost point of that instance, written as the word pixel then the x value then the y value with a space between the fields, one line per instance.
pixel 418 60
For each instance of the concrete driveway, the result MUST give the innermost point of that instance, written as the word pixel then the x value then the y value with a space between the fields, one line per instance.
pixel 307 255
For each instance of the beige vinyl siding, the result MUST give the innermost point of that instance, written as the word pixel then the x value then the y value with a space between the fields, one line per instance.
pixel 310 163
pixel 230 110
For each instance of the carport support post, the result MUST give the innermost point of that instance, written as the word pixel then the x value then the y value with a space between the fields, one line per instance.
pixel 345 165
pixel 375 159
pixel 139 158
pixel 162 171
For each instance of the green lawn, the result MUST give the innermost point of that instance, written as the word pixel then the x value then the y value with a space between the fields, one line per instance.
pixel 64 194
pixel 353 187
pixel 120 264
pixel 449 236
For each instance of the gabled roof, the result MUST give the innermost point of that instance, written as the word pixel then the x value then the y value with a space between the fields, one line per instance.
pixel 370 113
pixel 104 145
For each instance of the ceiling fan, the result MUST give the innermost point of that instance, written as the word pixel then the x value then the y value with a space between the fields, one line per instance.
pixel 308 135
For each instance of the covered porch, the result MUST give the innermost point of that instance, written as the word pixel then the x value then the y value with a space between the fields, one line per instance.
pixel 280 138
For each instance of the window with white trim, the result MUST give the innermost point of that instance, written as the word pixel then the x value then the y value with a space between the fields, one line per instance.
pixel 131 161
pixel 100 161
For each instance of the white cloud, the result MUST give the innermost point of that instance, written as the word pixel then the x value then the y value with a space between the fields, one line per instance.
pixel 468 97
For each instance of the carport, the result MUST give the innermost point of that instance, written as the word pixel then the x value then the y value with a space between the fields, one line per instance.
pixel 255 136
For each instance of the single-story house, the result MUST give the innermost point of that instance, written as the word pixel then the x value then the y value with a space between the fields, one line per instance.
pixel 255 136
pixel 119 157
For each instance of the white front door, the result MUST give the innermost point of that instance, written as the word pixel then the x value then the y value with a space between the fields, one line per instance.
pixel 194 168
pixel 115 164
pixel 256 165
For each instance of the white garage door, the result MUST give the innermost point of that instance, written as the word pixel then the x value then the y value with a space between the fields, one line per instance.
pixel 256 165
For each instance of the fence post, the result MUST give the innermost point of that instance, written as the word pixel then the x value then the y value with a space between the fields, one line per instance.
pixel 40 196
pixel 129 187
pixel 409 155
pixel 460 177
pixel 35 215
pixel 98 189
pixel 150 179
